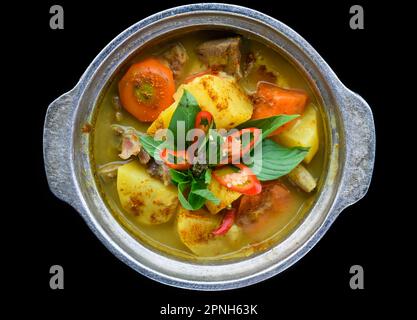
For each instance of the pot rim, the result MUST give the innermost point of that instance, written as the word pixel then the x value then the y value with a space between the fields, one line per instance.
pixel 353 175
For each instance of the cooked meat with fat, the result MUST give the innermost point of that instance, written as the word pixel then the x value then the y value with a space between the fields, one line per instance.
pixel 301 177
pixel 222 54
pixel 130 144
pixel 176 56
pixel 143 156
pixel 160 171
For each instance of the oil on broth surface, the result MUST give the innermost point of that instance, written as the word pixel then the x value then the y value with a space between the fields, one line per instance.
pixel 165 236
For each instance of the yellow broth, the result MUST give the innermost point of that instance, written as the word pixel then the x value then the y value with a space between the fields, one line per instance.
pixel 164 237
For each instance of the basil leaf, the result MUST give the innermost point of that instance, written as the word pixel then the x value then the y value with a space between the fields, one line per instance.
pixel 152 146
pixel 207 176
pixel 179 176
pixel 197 196
pixel 208 195
pixel 275 160
pixel 268 125
pixel 186 111
pixel 194 200
pixel 184 202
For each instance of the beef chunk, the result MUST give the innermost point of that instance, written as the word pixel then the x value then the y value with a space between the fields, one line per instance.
pixel 130 144
pixel 143 156
pixel 176 56
pixel 222 54
pixel 160 171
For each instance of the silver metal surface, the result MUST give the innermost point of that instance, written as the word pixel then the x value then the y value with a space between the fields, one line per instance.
pixel 348 169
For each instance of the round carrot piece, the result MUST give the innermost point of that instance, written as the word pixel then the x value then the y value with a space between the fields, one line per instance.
pixel 147 89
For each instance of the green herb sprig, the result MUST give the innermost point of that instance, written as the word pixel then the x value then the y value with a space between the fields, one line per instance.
pixel 272 163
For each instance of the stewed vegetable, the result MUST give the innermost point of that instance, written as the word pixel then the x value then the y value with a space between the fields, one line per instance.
pixel 208 146
pixel 146 89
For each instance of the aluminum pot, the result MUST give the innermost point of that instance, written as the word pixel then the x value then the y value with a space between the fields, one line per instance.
pixel 347 171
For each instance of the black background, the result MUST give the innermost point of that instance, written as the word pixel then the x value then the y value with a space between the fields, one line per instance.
pixel 49 62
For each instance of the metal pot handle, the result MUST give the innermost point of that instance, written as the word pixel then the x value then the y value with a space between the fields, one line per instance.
pixel 360 148
pixel 57 147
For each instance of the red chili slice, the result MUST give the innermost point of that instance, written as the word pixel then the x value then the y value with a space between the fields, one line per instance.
pixel 203 120
pixel 234 149
pixel 243 181
pixel 177 160
pixel 227 223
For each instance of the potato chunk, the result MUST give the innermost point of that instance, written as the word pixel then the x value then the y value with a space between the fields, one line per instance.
pixel 219 95
pixel 225 195
pixel 195 231
pixel 162 122
pixel 146 198
pixel 304 133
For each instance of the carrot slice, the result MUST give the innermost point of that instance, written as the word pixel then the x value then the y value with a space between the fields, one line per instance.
pixel 271 100
pixel 147 89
